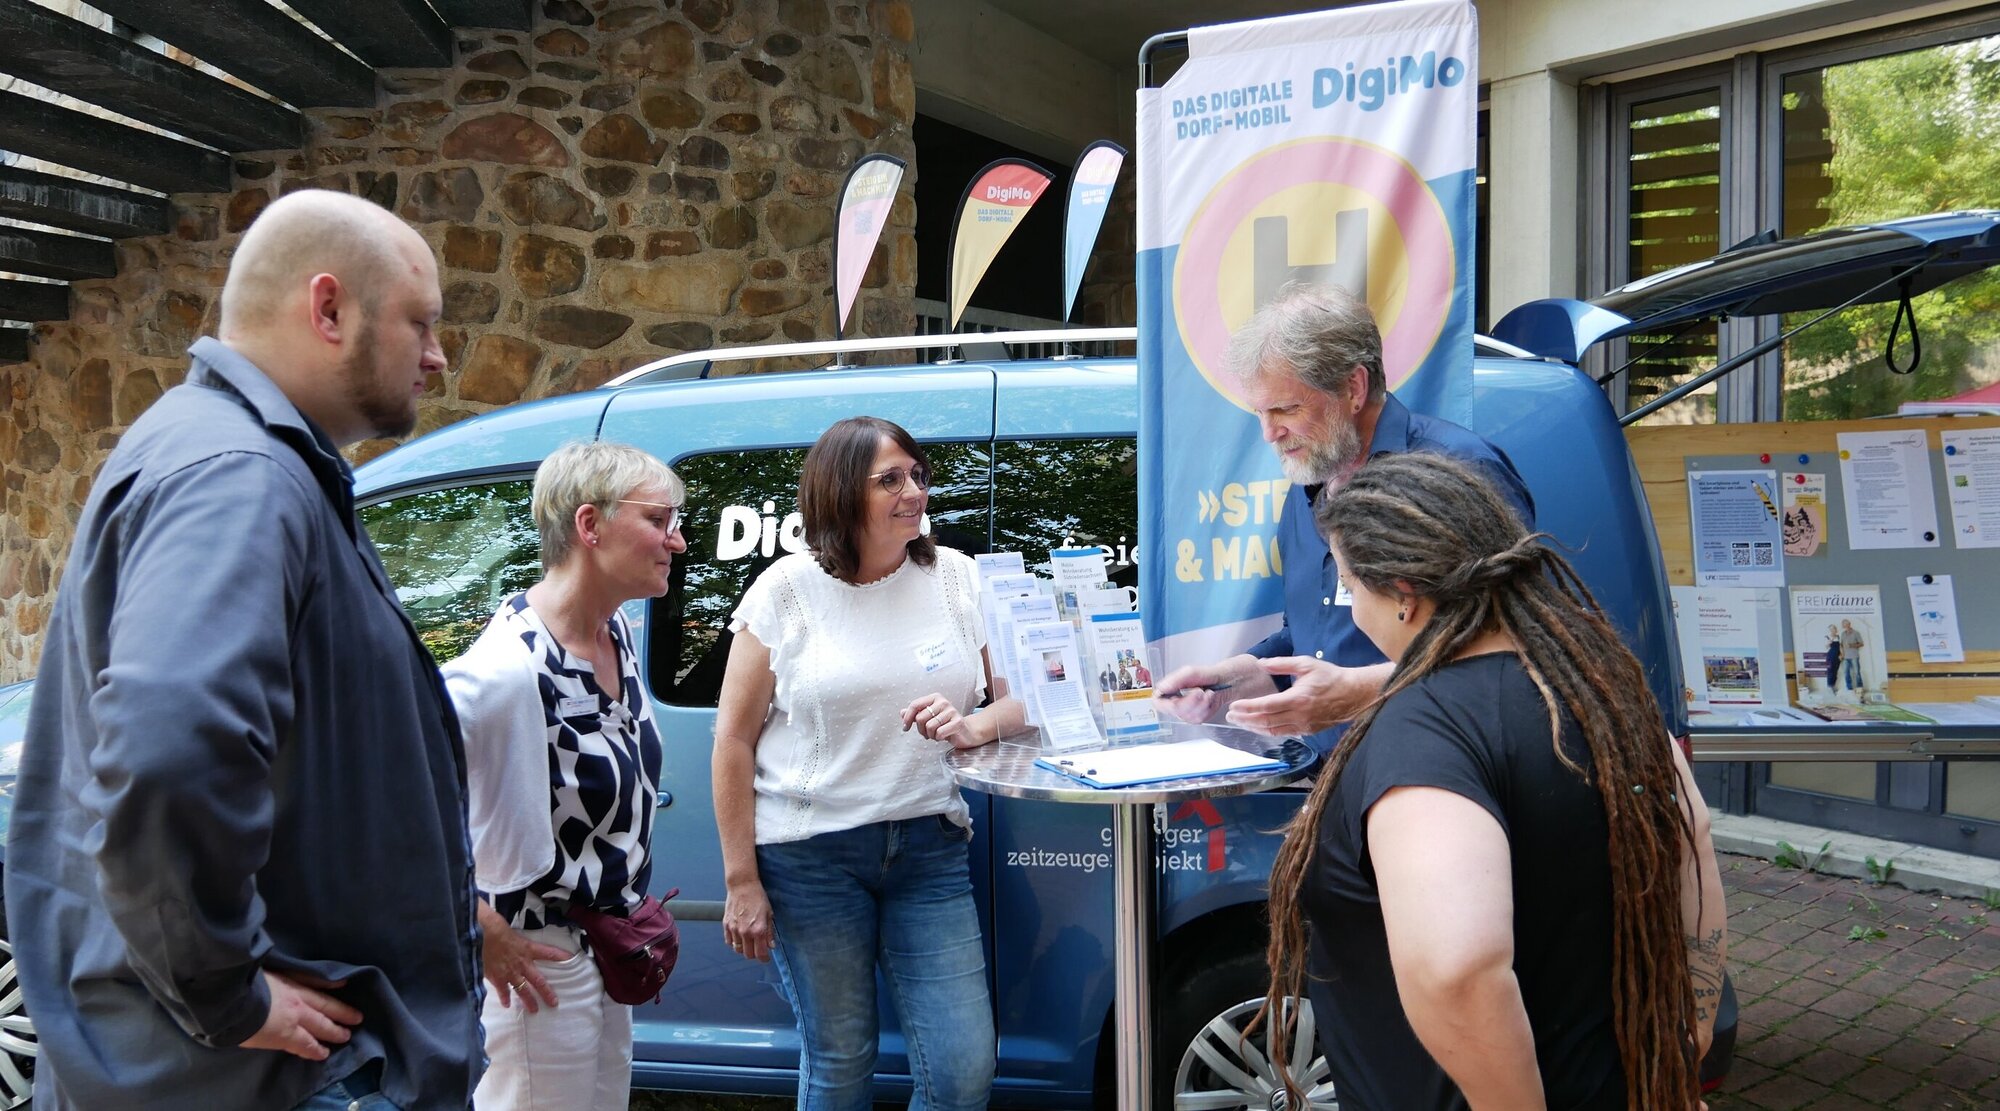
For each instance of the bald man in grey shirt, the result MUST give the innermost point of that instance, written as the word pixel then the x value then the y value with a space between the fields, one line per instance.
pixel 238 872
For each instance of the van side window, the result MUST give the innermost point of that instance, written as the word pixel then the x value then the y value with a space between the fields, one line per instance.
pixel 1068 494
pixel 454 554
pixel 742 515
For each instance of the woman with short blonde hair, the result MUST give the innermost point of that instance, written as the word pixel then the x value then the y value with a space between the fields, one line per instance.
pixel 558 721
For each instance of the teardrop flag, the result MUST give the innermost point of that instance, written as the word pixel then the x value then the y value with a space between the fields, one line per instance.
pixel 989 212
pixel 1089 200
pixel 865 201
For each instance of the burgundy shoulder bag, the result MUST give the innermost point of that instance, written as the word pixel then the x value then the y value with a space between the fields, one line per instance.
pixel 635 951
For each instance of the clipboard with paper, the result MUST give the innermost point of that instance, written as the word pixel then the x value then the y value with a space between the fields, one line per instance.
pixel 1155 763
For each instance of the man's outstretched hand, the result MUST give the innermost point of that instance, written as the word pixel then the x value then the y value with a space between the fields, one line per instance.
pixel 1321 695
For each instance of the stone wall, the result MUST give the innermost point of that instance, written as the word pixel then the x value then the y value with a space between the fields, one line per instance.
pixel 626 180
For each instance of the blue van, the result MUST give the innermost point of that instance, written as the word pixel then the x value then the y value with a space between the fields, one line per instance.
pixel 1027 455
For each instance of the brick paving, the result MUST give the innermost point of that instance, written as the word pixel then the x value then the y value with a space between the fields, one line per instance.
pixel 1857 995
pixel 1853 995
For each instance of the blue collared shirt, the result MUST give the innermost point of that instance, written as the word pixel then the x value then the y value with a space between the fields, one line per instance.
pixel 1316 623
pixel 239 757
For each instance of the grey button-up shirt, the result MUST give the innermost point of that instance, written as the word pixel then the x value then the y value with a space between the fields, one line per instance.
pixel 239 757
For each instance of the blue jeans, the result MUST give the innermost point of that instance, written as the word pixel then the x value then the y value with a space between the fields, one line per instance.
pixel 359 1091
pixel 1851 666
pixel 896 895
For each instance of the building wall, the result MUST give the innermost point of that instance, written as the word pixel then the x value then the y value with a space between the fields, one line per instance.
pixel 1535 54
pixel 619 183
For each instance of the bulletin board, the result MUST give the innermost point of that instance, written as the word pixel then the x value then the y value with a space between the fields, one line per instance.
pixel 1666 454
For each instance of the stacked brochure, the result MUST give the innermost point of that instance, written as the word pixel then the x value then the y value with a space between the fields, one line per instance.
pixel 1868 711
pixel 1122 767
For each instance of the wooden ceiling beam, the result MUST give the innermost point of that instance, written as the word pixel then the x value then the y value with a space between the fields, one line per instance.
pixel 51 254
pixel 64 202
pixel 30 301
pixel 60 53
pixel 39 129
pixel 256 42
pixel 401 33
pixel 512 15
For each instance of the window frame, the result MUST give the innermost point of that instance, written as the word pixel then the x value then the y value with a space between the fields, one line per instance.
pixel 1775 68
pixel 463 480
pixel 1608 262
pixel 1752 87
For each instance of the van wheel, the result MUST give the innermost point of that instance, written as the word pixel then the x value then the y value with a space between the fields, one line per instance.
pixel 1203 1061
pixel 18 1047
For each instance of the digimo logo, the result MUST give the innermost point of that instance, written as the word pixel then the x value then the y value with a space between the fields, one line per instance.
pixel 1324 209
pixel 742 531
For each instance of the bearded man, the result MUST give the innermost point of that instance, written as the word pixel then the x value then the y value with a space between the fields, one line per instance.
pixel 238 873
pixel 1309 366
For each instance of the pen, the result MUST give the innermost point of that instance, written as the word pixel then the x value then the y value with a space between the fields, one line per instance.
pixel 1199 687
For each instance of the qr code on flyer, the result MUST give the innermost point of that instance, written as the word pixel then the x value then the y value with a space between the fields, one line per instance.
pixel 1766 555
pixel 1739 555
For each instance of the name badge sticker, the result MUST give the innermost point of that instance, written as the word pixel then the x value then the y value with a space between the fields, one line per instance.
pixel 1341 595
pixel 583 705
pixel 940 653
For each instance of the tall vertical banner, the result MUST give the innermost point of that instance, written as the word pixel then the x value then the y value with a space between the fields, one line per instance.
pixel 865 200
pixel 991 209
pixel 1332 147
pixel 1089 199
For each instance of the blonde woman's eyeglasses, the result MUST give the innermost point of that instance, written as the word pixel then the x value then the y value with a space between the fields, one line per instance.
pixel 673 521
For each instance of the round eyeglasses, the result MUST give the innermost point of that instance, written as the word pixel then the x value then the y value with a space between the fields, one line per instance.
pixel 893 480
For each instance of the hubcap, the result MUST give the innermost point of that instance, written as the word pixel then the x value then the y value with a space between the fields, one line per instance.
pixel 1223 1069
pixel 17 1037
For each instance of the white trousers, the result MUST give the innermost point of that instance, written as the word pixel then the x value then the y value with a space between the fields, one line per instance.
pixel 576 1056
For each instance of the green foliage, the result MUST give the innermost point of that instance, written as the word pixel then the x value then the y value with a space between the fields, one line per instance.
pixel 1791 856
pixel 1879 871
pixel 1866 933
pixel 1911 133
pixel 454 554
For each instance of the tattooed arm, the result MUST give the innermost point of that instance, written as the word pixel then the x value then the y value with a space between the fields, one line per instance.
pixel 1702 912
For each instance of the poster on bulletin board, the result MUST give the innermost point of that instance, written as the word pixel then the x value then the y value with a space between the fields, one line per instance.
pixel 1738 537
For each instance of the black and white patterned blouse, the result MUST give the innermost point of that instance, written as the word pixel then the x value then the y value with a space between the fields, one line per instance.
pixel 604 776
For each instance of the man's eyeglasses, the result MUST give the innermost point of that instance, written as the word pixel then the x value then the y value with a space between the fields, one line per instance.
pixel 673 521
pixel 894 479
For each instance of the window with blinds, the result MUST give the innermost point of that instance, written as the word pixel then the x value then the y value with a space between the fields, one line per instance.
pixel 1673 217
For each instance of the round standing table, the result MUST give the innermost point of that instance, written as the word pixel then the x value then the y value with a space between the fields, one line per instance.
pixel 1007 767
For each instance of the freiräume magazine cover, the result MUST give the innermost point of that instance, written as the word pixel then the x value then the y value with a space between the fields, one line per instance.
pixel 1837 644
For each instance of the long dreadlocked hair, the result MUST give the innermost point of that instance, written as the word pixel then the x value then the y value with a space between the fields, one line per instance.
pixel 1441 528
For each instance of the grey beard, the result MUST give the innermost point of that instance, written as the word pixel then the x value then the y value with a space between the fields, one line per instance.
pixel 1325 461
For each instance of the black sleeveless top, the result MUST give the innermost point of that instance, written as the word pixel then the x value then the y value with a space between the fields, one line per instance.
pixel 1476 727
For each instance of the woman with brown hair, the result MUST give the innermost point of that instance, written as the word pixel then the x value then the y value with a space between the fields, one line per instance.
pixel 856 666
pixel 1501 891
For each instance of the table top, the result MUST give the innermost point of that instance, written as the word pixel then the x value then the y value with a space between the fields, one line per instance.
pixel 1007 767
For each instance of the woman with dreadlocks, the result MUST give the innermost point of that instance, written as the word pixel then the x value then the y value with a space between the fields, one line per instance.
pixel 1501 891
